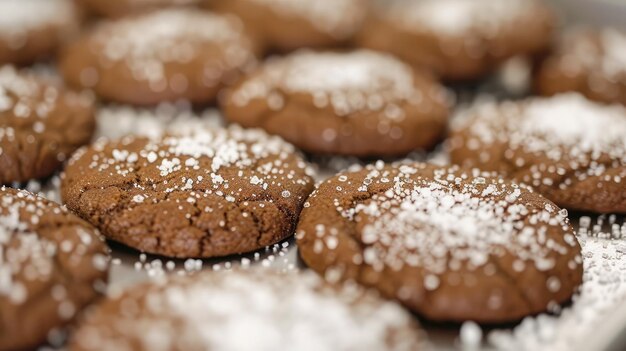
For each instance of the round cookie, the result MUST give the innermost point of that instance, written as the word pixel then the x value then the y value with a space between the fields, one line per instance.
pixel 247 310
pixel 120 8
pixel 459 39
pixel 198 192
pixel 286 25
pixel 449 245
pixel 167 55
pixel 33 29
pixel 589 61
pixel 52 264
pixel 571 150
pixel 360 103
pixel 40 126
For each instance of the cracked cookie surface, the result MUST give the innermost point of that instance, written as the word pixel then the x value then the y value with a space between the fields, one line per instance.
pixel 569 149
pixel 52 264
pixel 449 245
pixel 359 103
pixel 40 126
pixel 194 192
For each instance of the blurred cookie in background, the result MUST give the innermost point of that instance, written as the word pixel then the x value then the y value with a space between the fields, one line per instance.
pixel 116 121
pixel 449 244
pixel 52 264
pixel 33 29
pixel 569 149
pixel 167 55
pixel 119 8
pixel 247 310
pixel 459 39
pixel 41 124
pixel 589 61
pixel 360 103
pixel 285 25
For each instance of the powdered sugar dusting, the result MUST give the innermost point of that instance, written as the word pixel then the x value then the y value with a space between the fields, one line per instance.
pixel 598 51
pixel 27 257
pixel 573 121
pixel 253 310
pixel 19 16
pixel 145 43
pixel 437 225
pixel 603 290
pixel 565 124
pixel 339 18
pixel 349 82
pixel 118 121
pixel 456 17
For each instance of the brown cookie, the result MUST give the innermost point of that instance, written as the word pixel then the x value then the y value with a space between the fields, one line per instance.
pixel 458 39
pixel 40 125
pixel 247 310
pixel 360 103
pixel 52 264
pixel 33 29
pixel 571 150
pixel 589 61
pixel 202 192
pixel 286 25
pixel 120 8
pixel 167 55
pixel 449 245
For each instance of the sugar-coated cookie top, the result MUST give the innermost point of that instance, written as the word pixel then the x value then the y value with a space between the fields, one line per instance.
pixel 604 50
pixel 195 156
pixel 566 124
pixel 455 220
pixel 38 239
pixel 23 15
pixel 26 103
pixel 457 17
pixel 339 18
pixel 437 218
pixel 349 82
pixel 242 310
pixel 148 41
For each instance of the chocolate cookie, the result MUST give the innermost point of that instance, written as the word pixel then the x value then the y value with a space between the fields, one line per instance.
pixel 459 39
pixel 449 245
pixel 571 150
pixel 588 61
pixel 202 192
pixel 168 55
pixel 33 29
pixel 246 310
pixel 119 8
pixel 360 103
pixel 52 264
pixel 285 25
pixel 40 125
